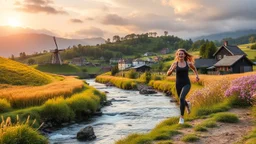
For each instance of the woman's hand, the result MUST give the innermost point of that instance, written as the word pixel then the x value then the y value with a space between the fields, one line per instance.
pixel 197 79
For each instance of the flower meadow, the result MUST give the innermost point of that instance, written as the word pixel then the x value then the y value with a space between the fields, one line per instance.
pixel 243 87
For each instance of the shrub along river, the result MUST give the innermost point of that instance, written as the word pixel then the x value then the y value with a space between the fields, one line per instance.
pixel 131 112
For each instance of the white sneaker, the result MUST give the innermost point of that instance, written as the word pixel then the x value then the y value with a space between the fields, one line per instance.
pixel 181 121
pixel 188 107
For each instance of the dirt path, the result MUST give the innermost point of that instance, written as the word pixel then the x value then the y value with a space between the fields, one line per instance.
pixel 224 133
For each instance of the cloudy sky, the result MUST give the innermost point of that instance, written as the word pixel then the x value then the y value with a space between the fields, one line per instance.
pixel 105 18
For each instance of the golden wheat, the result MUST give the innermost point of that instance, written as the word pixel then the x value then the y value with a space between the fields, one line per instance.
pixel 25 96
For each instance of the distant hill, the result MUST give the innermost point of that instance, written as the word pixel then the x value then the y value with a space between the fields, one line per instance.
pixel 31 43
pixel 220 36
pixel 15 73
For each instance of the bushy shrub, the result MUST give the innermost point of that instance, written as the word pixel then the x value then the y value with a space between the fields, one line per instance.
pixel 132 74
pixel 253 46
pixel 243 87
pixel 146 77
pixel 56 110
pixel 22 134
pixel 4 105
pixel 19 133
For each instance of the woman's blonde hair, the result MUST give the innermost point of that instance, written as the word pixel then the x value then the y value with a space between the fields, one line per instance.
pixel 188 57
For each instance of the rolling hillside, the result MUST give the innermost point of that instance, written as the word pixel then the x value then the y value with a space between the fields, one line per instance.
pixel 15 73
pixel 220 36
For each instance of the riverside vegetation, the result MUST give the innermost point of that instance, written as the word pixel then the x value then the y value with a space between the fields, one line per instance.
pixel 26 92
pixel 216 100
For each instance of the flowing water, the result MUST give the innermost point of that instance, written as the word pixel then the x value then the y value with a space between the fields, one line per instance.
pixel 131 112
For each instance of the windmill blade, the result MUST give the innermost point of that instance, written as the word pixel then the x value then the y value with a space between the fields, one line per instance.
pixel 55 42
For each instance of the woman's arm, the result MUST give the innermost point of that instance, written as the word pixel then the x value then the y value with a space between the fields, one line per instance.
pixel 171 69
pixel 192 66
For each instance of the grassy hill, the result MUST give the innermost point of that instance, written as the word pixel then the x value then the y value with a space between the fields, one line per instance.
pixel 15 73
pixel 58 69
pixel 251 54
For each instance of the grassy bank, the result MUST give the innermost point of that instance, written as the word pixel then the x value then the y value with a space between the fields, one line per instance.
pixel 60 109
pixel 120 82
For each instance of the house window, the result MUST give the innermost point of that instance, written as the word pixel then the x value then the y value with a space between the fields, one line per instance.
pixel 219 57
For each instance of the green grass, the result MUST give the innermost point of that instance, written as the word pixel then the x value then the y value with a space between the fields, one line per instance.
pixel 15 73
pixel 4 105
pixel 209 124
pixel 165 142
pixel 226 117
pixel 91 69
pixel 251 54
pixel 135 139
pixel 200 128
pixel 21 134
pixel 190 138
pixel 58 69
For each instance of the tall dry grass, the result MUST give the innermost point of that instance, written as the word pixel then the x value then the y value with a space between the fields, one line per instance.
pixel 120 82
pixel 208 79
pixel 26 96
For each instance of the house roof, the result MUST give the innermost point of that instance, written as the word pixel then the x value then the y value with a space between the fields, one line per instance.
pixel 140 66
pixel 234 50
pixel 229 60
pixel 138 60
pixel 203 63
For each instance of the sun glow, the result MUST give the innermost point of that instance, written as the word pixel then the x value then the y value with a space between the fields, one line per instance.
pixel 14 22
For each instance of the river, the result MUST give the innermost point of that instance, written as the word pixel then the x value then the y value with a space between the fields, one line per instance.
pixel 131 112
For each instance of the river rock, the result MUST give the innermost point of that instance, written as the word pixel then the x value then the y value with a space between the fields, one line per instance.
pixel 147 91
pixel 109 84
pixel 173 100
pixel 107 103
pixel 86 134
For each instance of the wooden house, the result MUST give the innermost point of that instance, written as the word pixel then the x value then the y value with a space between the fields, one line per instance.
pixel 141 68
pixel 227 59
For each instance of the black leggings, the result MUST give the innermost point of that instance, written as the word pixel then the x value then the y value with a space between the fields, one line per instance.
pixel 182 92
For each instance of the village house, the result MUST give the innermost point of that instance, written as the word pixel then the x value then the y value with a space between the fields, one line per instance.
pixel 114 60
pixel 165 51
pixel 138 62
pixel 158 59
pixel 124 64
pixel 79 61
pixel 227 59
pixel 141 68
pixel 149 54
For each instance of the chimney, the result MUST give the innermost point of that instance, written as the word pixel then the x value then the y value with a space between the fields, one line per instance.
pixel 225 43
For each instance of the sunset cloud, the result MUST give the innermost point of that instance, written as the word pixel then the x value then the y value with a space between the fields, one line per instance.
pixel 87 33
pixel 38 6
pixel 76 21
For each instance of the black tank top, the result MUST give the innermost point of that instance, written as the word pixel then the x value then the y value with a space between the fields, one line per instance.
pixel 182 75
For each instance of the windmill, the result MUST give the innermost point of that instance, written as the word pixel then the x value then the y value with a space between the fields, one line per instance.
pixel 56 55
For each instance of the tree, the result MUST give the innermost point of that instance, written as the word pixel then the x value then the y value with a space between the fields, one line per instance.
pixel 165 33
pixel 116 38
pixel 253 46
pixel 210 50
pixel 202 50
pixel 31 61
pixel 252 39
pixel 12 57
pixel 114 70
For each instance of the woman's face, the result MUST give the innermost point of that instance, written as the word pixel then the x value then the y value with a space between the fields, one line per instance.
pixel 181 55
